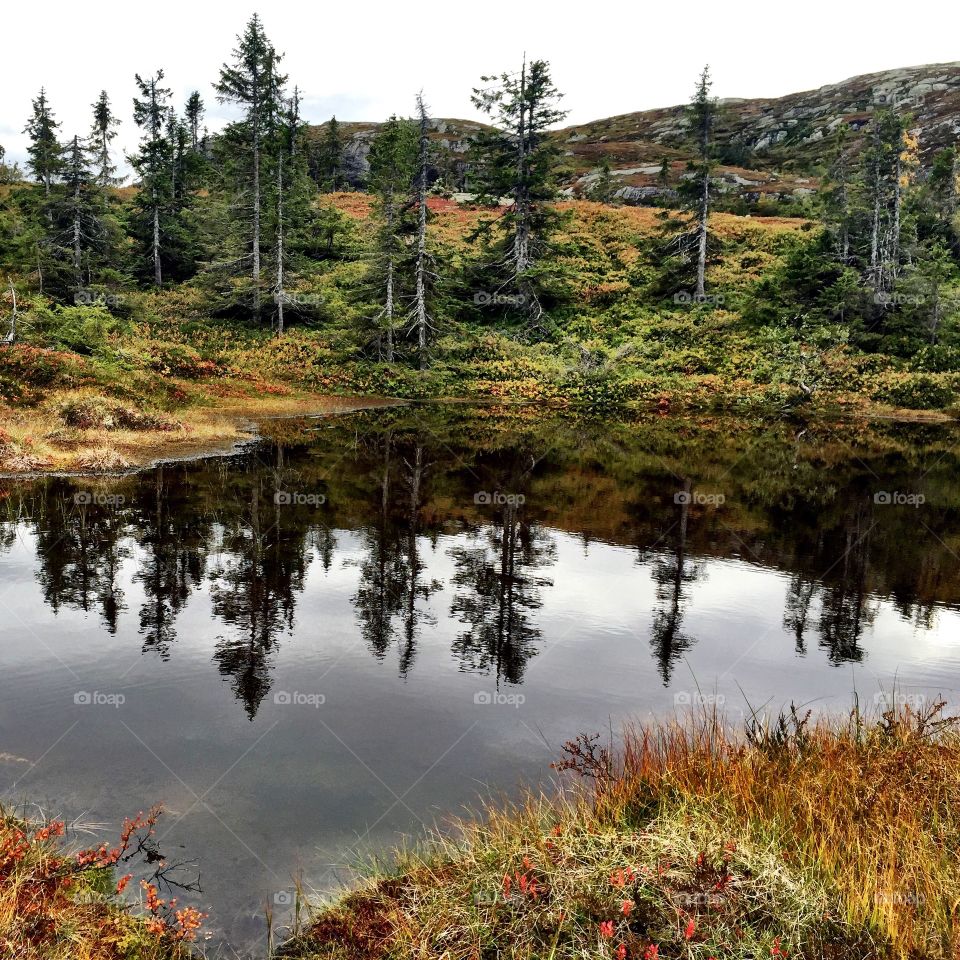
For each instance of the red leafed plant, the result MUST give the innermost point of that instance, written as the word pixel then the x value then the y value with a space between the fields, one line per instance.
pixel 48 892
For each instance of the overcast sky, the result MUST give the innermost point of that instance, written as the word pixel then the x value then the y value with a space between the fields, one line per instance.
pixel 364 61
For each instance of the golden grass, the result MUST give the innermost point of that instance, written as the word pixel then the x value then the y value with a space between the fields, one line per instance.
pixel 819 840
pixel 870 808
pixel 37 440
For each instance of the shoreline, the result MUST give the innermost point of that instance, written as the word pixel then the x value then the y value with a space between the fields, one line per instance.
pixel 205 433
pixel 209 433
pixel 831 838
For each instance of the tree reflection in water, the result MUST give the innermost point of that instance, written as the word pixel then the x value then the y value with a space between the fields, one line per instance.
pixel 403 484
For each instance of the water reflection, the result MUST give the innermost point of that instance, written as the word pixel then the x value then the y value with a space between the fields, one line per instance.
pixel 674 572
pixel 448 501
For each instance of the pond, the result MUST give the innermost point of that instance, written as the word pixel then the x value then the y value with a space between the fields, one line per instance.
pixel 366 623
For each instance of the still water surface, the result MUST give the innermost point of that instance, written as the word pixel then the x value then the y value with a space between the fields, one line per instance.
pixel 366 623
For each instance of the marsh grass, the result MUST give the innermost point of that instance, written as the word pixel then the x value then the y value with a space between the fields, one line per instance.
pixel 816 838
pixel 82 430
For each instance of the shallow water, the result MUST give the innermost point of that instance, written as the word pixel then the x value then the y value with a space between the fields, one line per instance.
pixel 368 622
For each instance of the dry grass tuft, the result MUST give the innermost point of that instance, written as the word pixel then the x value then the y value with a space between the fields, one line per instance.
pixel 101 459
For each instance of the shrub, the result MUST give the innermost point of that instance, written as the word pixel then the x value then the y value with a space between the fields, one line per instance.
pixel 83 329
pixel 915 391
pixel 936 358
pixel 99 413
pixel 26 371
pixel 597 392
pixel 179 360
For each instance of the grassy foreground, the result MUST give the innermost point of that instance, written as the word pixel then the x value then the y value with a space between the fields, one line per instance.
pixel 806 839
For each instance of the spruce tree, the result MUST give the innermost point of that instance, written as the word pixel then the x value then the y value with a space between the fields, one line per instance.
pixel 153 163
pixel 393 155
pixel 836 197
pixel 252 82
pixel 696 190
pixel 880 200
pixel 329 159
pixel 193 113
pixel 294 224
pixel 423 275
pixel 604 188
pixel 942 199
pixel 81 207
pixel 518 159
pixel 44 151
pixel 102 135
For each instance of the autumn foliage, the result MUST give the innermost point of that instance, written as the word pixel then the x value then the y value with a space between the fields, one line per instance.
pixel 61 903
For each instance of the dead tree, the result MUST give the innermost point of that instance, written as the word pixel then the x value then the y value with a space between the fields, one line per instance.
pixel 11 336
pixel 419 315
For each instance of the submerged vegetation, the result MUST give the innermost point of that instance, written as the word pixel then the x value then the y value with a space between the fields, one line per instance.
pixel 805 838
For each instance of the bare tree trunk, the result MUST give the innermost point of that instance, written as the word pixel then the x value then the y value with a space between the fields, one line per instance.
pixel 702 232
pixel 521 239
pixel 157 268
pixel 704 211
pixel 77 253
pixel 420 298
pixel 895 227
pixel 255 110
pixel 875 269
pixel 845 232
pixel 12 335
pixel 280 291
pixel 389 309
pixel 844 214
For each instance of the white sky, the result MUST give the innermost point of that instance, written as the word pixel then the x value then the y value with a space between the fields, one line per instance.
pixel 366 61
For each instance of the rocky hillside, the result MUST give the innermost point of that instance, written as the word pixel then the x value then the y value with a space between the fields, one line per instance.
pixel 773 148
pixel 451 140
